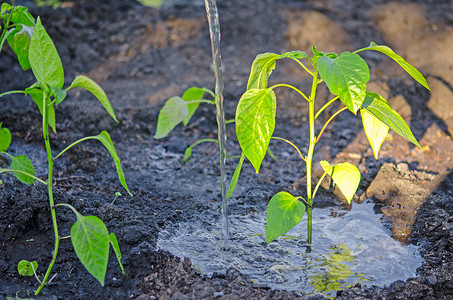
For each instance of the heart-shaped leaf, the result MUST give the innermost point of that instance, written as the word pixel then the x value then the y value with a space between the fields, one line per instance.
pixel 375 130
pixel 174 112
pixel 345 76
pixel 27 268
pixel 90 239
pixel 345 175
pixel 255 123
pixel 380 108
pixel 284 211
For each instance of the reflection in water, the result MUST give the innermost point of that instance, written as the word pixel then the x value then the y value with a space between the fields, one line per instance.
pixel 352 248
pixel 151 3
pixel 331 273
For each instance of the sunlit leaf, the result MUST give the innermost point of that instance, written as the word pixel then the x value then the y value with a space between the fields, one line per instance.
pixel 90 239
pixel 116 248
pixel 22 16
pixel 22 163
pixel 192 94
pixel 345 76
pixel 19 40
pixel 5 138
pixel 380 108
pixel 375 130
pixel 404 64
pixel 255 123
pixel 284 211
pixel 345 175
pixel 262 67
pixel 264 64
pixel 25 268
pixel 91 86
pixel 44 59
pixel 174 112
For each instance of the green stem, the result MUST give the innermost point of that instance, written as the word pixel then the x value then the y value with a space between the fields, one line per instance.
pixel 291 87
pixel 311 121
pixel 303 66
pixel 75 143
pixel 25 173
pixel 12 92
pixel 199 101
pixel 295 147
pixel 45 128
pixel 328 121
pixel 325 106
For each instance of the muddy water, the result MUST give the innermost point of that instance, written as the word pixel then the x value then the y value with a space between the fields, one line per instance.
pixel 349 247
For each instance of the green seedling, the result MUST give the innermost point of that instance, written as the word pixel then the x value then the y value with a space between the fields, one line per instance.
pixel 178 110
pixel 346 76
pixel 34 48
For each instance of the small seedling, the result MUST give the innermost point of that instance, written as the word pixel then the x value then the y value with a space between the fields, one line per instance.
pixel 346 77
pixel 34 48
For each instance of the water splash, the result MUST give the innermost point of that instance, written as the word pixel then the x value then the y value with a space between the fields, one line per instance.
pixel 214 31
pixel 349 247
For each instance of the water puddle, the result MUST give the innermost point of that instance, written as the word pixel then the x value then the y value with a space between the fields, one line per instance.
pixel 353 247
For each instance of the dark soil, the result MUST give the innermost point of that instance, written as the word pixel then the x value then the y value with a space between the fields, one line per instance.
pixel 142 56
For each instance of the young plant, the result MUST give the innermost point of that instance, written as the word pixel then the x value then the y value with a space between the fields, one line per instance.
pixel 35 49
pixel 180 110
pixel 346 76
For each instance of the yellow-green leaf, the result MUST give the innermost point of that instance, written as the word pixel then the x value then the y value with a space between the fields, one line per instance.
pixel 375 130
pixel 345 175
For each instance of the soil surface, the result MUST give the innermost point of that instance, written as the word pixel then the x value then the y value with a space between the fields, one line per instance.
pixel 142 56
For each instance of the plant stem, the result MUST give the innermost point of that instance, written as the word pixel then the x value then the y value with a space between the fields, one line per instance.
pixel 291 87
pixel 45 128
pixel 295 147
pixel 311 120
pixel 328 121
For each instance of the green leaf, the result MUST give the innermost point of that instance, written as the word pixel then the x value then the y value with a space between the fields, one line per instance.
pixel 44 59
pixel 22 16
pixel 262 67
pixel 90 85
pixel 105 139
pixel 174 112
pixel 404 64
pixel 346 76
pixel 375 130
pixel 25 268
pixel 90 239
pixel 380 108
pixel 116 247
pixel 59 94
pixel 192 94
pixel 22 163
pixel 5 7
pixel 345 175
pixel 234 179
pixel 5 138
pixel 37 95
pixel 255 123
pixel 284 211
pixel 264 64
pixel 22 40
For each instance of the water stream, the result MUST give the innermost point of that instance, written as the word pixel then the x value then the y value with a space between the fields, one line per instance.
pixel 349 247
pixel 214 31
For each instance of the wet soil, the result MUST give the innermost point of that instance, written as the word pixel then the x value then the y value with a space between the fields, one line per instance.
pixel 141 56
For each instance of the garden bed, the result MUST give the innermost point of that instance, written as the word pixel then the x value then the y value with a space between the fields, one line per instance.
pixel 142 56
